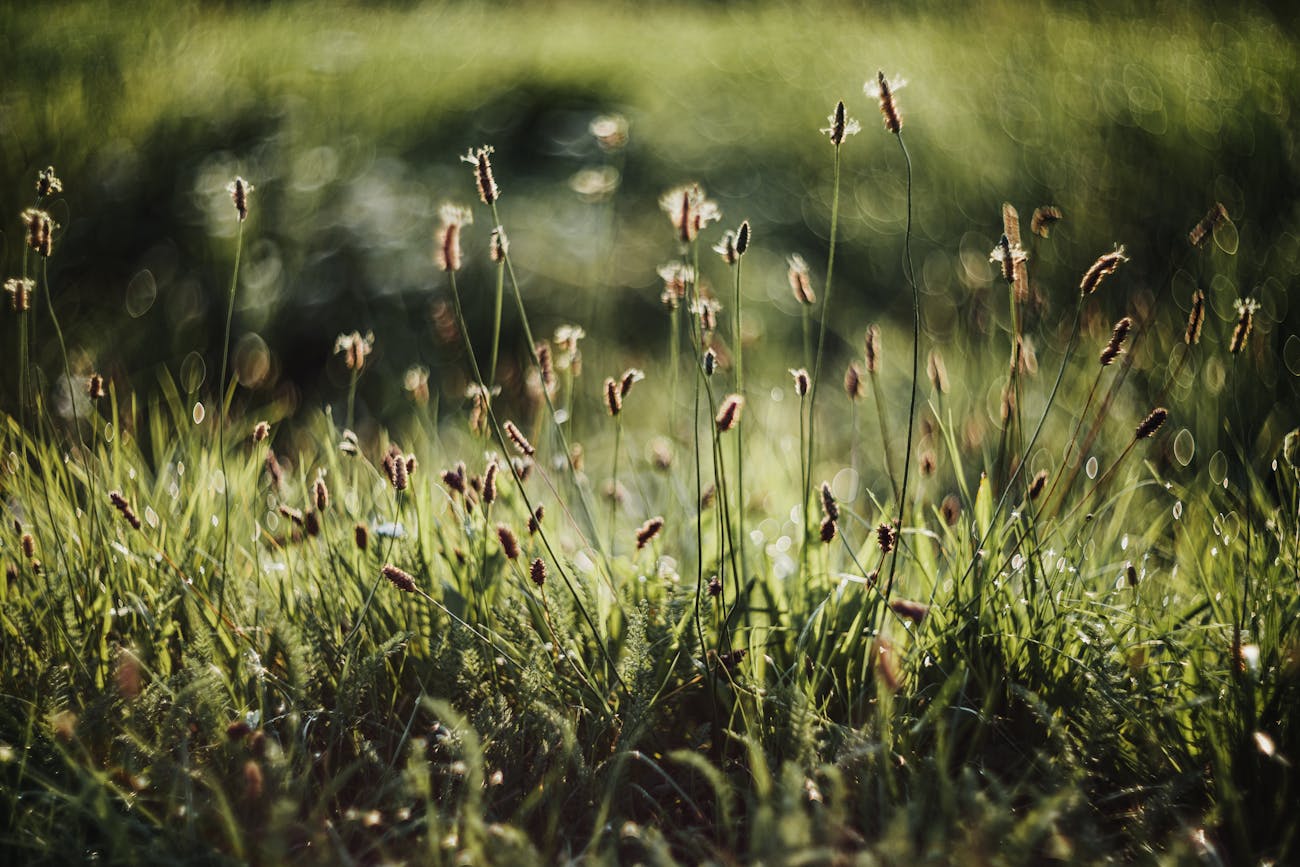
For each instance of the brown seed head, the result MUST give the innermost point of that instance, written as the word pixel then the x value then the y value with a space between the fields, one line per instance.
pixel 399 579
pixel 311 522
pixel 40 231
pixel 1043 220
pixel 499 245
pixel 801 381
pixel 239 190
pixel 490 483
pixel 742 238
pixel 829 507
pixel 841 125
pixel 938 372
pixel 261 431
pixel 1115 345
pixel 291 513
pixel 120 503
pixel 452 219
pixel 537 572
pixel 47 183
pixel 800 283
pixel 1036 486
pixel 546 366
pixel 321 494
pixel 361 536
pixel 950 509
pixel 729 415
pixel 631 376
pixel 1195 319
pixel 828 529
pixel 481 160
pixel 535 520
pixel 886 537
pixel 853 381
pixel 613 396
pixel 20 291
pixel 520 441
pixel 884 89
pixel 28 546
pixel 928 463
pixel 1202 230
pixel 1151 423
pixel 710 361
pixel 95 387
pixel 909 610
pixel 714 587
pixel 509 544
pixel 1245 321
pixel 871 342
pixel 648 531
pixel 689 211
pixel 454 478
pixel 1101 269
pixel 726 248
pixel 355 348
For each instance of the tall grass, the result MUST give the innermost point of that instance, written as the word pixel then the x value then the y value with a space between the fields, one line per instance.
pixel 971 666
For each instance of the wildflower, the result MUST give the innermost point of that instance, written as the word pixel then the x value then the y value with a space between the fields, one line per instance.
pixel 95 387
pixel 1036 486
pixel 800 283
pixel 714 587
pixel 841 125
pixel 569 358
pixel 828 529
pixel 710 361
pixel 239 190
pixel 613 397
pixel 509 544
pixel 498 245
pixel 355 348
pixel 261 431
pixel 676 277
pixel 395 467
pixel 452 218
pixel 871 343
pixel 830 508
pixel 361 536
pixel 950 509
pixel 535 520
pixel 537 572
pixel 454 479
pixel 742 238
pixel 40 231
pixel 416 383
pixel 853 381
pixel 490 483
pixel 886 537
pixel 726 248
pixel 481 160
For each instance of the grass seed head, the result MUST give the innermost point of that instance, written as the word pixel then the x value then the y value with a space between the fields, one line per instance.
pixel 729 415
pixel 886 537
pixel 1043 219
pixel 399 579
pixel 714 587
pixel 1115 345
pixel 452 219
pixel 938 372
pixel 19 290
pixel 95 387
pixel 490 483
pixel 742 238
pixel 537 572
pixel 509 544
pixel 28 546
pixel 1205 228
pixel 1151 423
pixel 800 283
pixel 631 376
pixel 261 431
pixel 517 437
pixel 1245 322
pixel 871 343
pixel 710 361
pixel 499 245
pixel 828 528
pixel 120 503
pixel 40 231
pixel 535 520
pixel 883 89
pixel 801 381
pixel 841 125
pixel 1101 269
pixel 321 494
pixel 613 396
pixel 950 509
pixel 1036 486
pixel 47 183
pixel 853 381
pixel 830 508
pixel 239 190
pixel 1195 319
pixel 481 160
pixel 648 531
pixel 361 536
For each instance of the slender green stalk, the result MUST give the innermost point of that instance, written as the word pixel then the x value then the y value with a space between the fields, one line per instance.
pixel 221 418
pixel 496 321
pixel 613 493
pixel 737 340
pixel 810 446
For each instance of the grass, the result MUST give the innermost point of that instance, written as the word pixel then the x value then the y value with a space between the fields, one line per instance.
pixel 322 646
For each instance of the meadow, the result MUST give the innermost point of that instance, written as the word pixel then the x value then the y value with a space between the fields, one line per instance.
pixel 436 434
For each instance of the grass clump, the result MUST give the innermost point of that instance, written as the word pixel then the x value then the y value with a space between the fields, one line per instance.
pixel 1061 636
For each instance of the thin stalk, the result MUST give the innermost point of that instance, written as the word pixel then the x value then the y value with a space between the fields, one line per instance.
pixel 613 494
pixel 739 350
pixel 496 321
pixel 221 418
pixel 910 273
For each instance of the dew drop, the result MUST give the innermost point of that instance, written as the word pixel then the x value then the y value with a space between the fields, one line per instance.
pixel 199 412
pixel 1225 237
pixel 1291 354
pixel 151 517
pixel 1091 467
pixel 1178 510
pixel 193 372
pixel 110 432
pixel 1184 447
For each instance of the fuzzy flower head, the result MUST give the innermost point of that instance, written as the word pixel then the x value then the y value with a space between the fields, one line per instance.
pixel 800 282
pixel 610 131
pixel 416 383
pixel 239 190
pixel 883 89
pixel 676 277
pixel 481 160
pixel 355 348
pixel 689 211
pixel 1008 256
pixel 452 218
pixel 841 125
pixel 47 183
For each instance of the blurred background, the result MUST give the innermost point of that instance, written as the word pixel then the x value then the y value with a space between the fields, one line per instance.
pixel 349 119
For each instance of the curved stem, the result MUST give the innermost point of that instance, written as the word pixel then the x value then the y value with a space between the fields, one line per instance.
pixel 221 419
